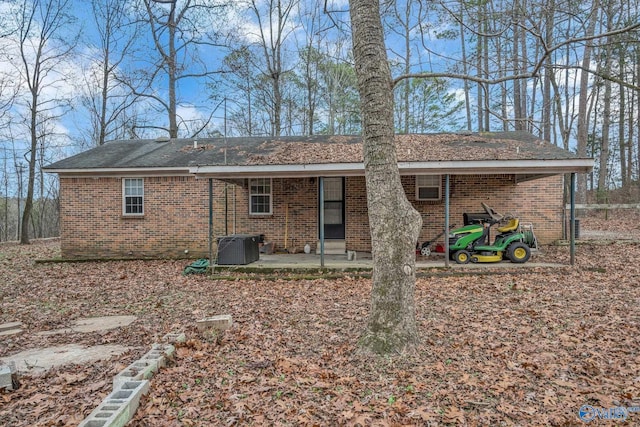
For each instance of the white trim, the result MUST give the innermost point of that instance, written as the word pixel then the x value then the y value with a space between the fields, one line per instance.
pixel 121 172
pixel 124 197
pixel 270 194
pixel 458 167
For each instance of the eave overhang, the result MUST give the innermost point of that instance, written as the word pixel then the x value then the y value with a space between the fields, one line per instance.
pixel 111 172
pixel 527 169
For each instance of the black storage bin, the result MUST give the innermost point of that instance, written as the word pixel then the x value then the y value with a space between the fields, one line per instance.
pixel 238 249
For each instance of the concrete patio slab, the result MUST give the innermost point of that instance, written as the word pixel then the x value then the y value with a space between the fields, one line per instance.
pixel 94 324
pixel 42 359
pixel 362 261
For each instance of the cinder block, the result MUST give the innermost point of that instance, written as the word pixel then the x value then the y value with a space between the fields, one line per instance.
pixel 118 408
pixel 6 381
pixel 138 370
pixel 146 366
pixel 10 328
pixel 219 323
pixel 168 349
pixel 174 337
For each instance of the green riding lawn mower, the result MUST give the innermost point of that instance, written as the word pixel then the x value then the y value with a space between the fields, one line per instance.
pixel 472 243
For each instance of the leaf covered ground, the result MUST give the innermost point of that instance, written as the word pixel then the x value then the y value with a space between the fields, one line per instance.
pixel 525 347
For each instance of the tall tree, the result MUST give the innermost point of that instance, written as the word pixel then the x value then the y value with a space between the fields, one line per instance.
pixel 273 30
pixel 394 223
pixel 183 37
pixel 583 122
pixel 106 99
pixel 239 75
pixel 44 44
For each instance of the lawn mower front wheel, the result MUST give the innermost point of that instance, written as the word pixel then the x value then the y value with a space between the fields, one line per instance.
pixel 518 253
pixel 462 257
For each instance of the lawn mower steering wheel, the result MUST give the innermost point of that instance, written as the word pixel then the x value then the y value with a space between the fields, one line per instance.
pixel 493 214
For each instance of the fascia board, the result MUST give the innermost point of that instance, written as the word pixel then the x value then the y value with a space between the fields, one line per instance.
pixel 442 167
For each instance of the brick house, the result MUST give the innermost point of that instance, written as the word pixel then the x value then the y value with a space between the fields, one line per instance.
pixel 160 198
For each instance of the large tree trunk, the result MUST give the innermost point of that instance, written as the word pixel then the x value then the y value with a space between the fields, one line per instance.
pixel 394 223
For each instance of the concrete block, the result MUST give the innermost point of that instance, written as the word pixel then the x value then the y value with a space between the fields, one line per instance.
pixel 118 407
pixel 168 349
pixel 10 325
pixel 219 323
pixel 10 328
pixel 146 366
pixel 6 377
pixel 137 371
pixel 175 337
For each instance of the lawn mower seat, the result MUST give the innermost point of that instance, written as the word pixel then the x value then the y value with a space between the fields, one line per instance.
pixel 512 225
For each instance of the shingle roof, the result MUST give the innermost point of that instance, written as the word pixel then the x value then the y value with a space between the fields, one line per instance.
pixel 245 151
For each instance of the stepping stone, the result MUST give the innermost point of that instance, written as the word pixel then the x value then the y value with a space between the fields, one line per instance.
pixel 10 328
pixel 43 359
pixel 94 324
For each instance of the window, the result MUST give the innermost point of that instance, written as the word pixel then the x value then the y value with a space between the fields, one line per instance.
pixel 260 196
pixel 428 187
pixel 133 196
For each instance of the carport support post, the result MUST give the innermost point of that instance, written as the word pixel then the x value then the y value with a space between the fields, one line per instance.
pixel 321 203
pixel 446 220
pixel 572 220
pixel 211 224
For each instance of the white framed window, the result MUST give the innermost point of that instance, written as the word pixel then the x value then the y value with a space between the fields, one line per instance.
pixel 260 196
pixel 428 187
pixel 133 196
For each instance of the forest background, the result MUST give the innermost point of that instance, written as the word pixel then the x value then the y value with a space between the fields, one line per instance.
pixel 75 74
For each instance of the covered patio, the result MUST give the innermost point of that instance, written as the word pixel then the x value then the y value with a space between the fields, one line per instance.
pixel 302 262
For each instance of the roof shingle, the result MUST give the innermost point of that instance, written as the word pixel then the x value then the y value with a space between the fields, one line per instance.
pixel 183 153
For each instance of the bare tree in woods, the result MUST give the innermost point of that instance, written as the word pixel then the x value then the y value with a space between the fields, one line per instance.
pixel 107 100
pixel 239 73
pixel 311 57
pixel 44 44
pixel 273 30
pixel 183 37
pixel 394 223
pixel 583 123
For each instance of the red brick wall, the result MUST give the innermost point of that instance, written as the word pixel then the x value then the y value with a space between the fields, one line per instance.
pixel 175 218
pixel 177 213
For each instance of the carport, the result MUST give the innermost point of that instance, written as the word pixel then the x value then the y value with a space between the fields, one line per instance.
pixel 523 170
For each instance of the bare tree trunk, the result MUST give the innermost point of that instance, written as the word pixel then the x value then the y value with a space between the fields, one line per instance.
pixel 480 74
pixel 583 120
pixel 271 44
pixel 485 57
pixel 622 126
pixel 603 170
pixel 37 62
pixel 172 73
pixel 548 72
pixel 465 82
pixel 394 223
